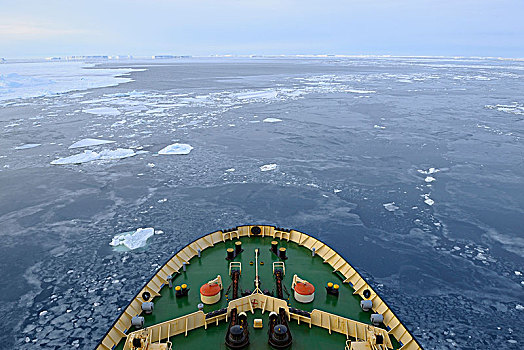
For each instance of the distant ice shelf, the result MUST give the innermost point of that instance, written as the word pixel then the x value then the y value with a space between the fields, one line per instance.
pixel 176 148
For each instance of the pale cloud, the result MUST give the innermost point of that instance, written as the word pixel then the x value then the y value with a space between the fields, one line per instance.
pixel 20 30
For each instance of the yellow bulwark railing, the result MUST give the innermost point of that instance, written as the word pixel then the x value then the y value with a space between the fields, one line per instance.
pixel 337 262
pixel 331 322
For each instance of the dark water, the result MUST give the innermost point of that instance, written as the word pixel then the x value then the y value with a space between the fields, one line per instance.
pixel 354 134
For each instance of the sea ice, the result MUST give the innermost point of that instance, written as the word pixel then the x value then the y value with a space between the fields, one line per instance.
pixel 256 95
pixel 428 200
pixel 89 156
pixel 89 142
pixel 268 167
pixel 390 206
pixel 119 153
pixel 429 179
pixel 33 79
pixel 272 120
pixel 86 156
pixel 102 111
pixel 176 148
pixel 429 171
pixel 28 145
pixel 133 240
pixel 360 91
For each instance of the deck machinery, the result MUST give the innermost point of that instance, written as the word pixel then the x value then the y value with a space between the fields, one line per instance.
pixel 286 290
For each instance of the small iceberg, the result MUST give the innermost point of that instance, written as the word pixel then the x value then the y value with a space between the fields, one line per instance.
pixel 102 111
pixel 268 167
pixel 89 142
pixel 28 145
pixel 134 239
pixel 272 120
pixel 390 206
pixel 176 148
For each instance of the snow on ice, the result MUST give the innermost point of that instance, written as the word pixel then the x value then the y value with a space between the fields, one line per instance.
pixel 176 148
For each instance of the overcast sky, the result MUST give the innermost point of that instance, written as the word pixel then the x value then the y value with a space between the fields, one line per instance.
pixel 36 28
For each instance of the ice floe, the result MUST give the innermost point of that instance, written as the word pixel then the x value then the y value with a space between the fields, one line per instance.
pixel 428 200
pixel 176 148
pixel 134 239
pixel 28 145
pixel 102 111
pixel 89 142
pixel 268 167
pixel 354 91
pixel 33 79
pixel 272 120
pixel 429 171
pixel 89 156
pixel 84 157
pixel 119 153
pixel 256 95
pixel 390 206
pixel 429 179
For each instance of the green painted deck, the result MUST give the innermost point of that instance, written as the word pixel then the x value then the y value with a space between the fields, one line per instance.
pixel 300 261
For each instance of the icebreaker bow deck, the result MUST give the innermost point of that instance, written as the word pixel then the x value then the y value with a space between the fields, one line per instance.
pixel 257 287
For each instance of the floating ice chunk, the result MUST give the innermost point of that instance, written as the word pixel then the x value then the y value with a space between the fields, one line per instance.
pixel 176 148
pixel 119 153
pixel 89 156
pixel 429 171
pixel 86 156
pixel 133 240
pixel 28 145
pixel 429 201
pixel 272 120
pixel 268 167
pixel 390 206
pixel 429 179
pixel 102 111
pixel 256 95
pixel 89 142
pixel 360 91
